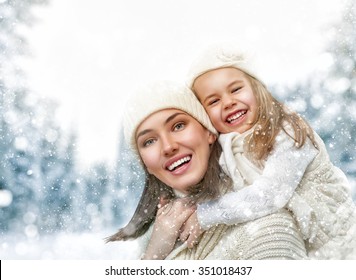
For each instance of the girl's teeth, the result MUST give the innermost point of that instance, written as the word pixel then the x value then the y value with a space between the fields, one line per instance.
pixel 234 117
pixel 178 162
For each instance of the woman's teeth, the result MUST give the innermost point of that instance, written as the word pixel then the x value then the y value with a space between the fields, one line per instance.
pixel 178 163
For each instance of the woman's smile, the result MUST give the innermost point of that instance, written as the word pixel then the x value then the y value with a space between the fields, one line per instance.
pixel 175 148
pixel 178 163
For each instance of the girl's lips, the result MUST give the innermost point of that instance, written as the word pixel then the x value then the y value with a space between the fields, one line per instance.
pixel 236 117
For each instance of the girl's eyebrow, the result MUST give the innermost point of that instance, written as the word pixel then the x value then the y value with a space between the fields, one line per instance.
pixel 209 96
pixel 229 85
pixel 145 131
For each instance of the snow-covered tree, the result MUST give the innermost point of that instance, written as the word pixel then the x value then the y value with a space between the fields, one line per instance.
pixel 16 114
pixel 36 162
pixel 340 83
pixel 128 184
pixel 328 99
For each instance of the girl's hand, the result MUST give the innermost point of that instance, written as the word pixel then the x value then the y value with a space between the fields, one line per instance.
pixel 191 231
pixel 169 220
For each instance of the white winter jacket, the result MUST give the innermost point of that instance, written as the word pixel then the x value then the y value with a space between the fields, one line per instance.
pixel 301 180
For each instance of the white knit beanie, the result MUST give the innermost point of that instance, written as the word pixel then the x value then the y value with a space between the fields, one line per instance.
pixel 158 96
pixel 220 56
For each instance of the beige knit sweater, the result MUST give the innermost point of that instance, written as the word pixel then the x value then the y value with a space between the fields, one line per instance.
pixel 272 237
pixel 302 180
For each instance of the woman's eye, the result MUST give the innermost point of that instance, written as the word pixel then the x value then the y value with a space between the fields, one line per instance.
pixel 178 126
pixel 148 142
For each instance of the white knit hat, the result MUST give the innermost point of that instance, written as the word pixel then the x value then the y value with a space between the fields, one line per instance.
pixel 220 56
pixel 158 96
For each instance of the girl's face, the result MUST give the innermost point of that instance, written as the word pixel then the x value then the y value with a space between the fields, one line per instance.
pixel 175 148
pixel 228 98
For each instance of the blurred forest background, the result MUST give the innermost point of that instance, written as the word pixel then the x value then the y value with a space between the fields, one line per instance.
pixel 43 191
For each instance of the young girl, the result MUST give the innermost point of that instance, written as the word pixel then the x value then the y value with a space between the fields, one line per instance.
pixel 171 134
pixel 273 156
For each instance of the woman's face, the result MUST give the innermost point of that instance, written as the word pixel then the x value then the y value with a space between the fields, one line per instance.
pixel 175 148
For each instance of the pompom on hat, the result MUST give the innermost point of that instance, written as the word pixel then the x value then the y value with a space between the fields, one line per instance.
pixel 159 96
pixel 221 56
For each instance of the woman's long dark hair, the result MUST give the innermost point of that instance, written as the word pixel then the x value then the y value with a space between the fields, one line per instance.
pixel 214 183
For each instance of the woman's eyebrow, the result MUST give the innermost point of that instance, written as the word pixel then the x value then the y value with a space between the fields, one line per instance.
pixel 172 117
pixel 145 131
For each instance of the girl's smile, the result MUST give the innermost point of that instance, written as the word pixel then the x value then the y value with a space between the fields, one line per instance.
pixel 228 98
pixel 236 117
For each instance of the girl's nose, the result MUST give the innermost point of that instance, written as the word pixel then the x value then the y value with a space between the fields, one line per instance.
pixel 228 101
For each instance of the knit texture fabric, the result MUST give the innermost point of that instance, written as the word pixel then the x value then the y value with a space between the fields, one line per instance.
pixel 272 237
pixel 159 96
pixel 221 56
pixel 330 227
pixel 313 189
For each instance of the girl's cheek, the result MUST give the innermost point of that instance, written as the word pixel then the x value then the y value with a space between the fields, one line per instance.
pixel 214 115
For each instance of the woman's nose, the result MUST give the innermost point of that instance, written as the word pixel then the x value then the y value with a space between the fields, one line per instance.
pixel 169 145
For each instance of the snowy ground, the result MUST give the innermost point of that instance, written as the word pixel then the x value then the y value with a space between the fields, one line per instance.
pixel 65 246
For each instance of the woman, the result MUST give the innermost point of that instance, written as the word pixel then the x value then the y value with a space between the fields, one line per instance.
pixel 172 135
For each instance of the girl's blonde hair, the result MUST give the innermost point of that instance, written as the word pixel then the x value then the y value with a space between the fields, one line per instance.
pixel 272 116
pixel 214 183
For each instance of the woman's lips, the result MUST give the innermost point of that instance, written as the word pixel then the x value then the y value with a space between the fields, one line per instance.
pixel 179 165
pixel 178 162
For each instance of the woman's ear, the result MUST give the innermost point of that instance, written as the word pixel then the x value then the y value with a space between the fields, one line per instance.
pixel 212 138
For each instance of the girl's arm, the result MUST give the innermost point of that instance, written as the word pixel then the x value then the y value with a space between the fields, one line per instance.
pixel 169 220
pixel 283 172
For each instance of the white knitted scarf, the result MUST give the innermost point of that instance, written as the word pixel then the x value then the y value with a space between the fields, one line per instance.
pixel 234 162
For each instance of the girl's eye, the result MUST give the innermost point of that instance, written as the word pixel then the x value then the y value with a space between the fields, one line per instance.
pixel 148 142
pixel 236 89
pixel 213 101
pixel 178 126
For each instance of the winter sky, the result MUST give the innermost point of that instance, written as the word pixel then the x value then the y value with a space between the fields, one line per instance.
pixel 89 55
